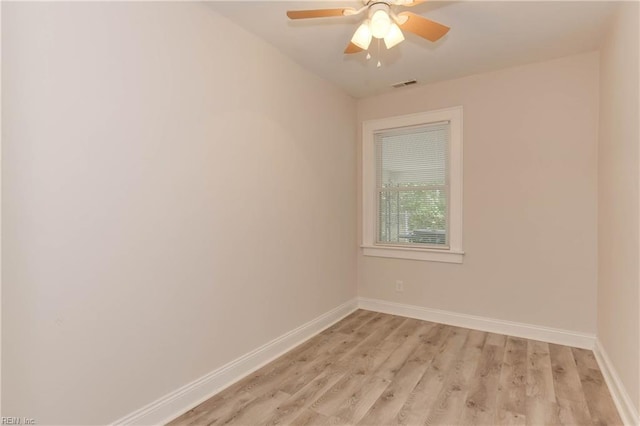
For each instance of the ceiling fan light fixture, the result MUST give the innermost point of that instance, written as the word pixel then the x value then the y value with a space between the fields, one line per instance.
pixel 394 36
pixel 362 36
pixel 380 23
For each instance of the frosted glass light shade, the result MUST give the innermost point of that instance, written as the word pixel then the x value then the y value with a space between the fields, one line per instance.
pixel 394 36
pixel 380 24
pixel 362 36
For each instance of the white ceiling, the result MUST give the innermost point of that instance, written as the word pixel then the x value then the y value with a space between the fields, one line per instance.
pixel 484 36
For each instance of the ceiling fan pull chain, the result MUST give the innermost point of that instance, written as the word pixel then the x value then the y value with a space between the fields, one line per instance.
pixel 379 64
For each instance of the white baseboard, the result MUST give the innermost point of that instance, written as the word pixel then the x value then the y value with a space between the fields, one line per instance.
pixel 627 410
pixel 528 331
pixel 185 398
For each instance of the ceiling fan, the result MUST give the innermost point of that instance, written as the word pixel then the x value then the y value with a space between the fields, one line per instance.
pixel 381 23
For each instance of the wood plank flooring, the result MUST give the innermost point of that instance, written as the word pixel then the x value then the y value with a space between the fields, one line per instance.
pixel 379 369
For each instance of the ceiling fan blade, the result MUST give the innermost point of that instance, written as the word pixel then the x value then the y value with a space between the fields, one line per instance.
pixel 319 13
pixel 423 27
pixel 352 48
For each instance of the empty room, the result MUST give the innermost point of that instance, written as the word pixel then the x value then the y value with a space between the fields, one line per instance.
pixel 320 212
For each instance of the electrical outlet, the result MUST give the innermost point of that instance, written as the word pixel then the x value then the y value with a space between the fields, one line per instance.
pixel 399 286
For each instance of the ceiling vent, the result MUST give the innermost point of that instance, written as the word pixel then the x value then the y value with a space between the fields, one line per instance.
pixel 404 83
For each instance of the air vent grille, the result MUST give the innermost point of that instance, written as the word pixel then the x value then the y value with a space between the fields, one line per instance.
pixel 404 83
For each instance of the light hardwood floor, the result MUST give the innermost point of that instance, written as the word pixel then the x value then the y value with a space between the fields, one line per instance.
pixel 379 369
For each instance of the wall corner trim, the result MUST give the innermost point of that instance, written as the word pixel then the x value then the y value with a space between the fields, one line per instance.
pixel 527 331
pixel 626 409
pixel 192 394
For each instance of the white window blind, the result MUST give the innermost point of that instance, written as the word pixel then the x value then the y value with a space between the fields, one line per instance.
pixel 412 185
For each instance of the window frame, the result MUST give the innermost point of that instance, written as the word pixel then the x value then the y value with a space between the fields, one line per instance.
pixel 370 246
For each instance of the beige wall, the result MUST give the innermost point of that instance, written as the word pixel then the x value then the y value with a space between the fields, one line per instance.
pixel 530 197
pixel 618 210
pixel 176 193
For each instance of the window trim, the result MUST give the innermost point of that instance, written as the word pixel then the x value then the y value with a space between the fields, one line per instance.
pixel 454 254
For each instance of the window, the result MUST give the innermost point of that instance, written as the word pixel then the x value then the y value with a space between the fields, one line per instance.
pixel 412 186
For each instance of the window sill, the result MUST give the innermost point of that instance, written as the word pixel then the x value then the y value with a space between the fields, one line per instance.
pixel 447 256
